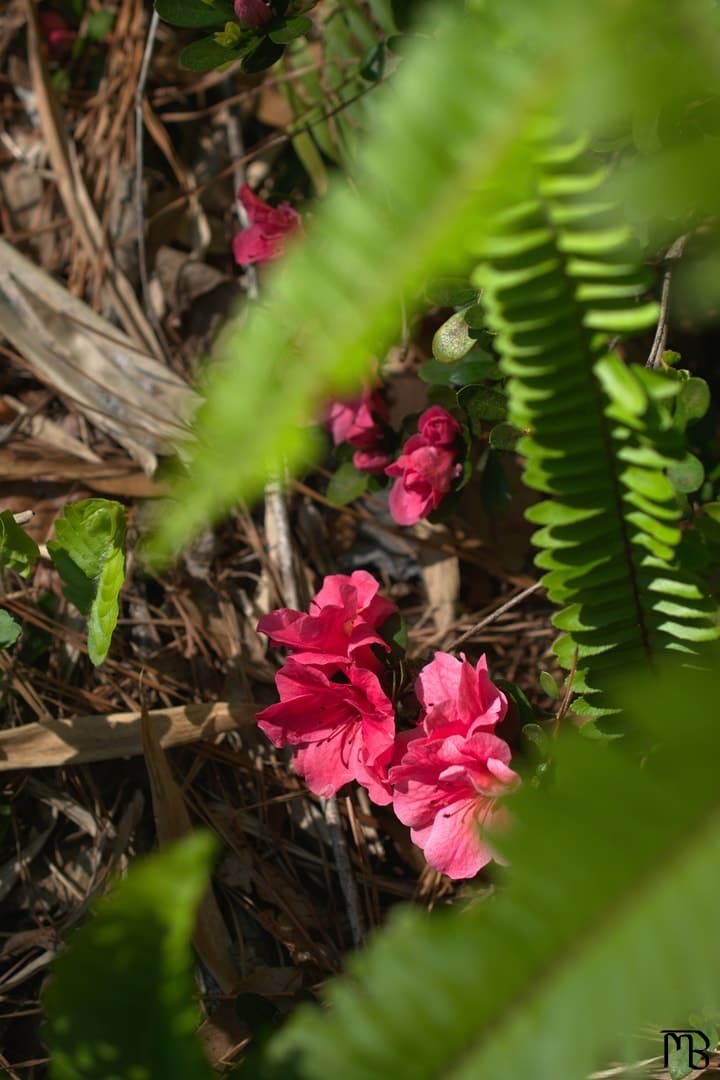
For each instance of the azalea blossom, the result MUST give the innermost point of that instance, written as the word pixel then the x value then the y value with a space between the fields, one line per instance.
pixel 457 697
pixel 340 723
pixel 447 790
pixel 264 238
pixel 361 423
pixel 252 13
pixel 426 468
pixel 342 623
pixel 59 36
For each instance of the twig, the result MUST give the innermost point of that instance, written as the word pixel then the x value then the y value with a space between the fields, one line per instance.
pixel 658 346
pixel 344 869
pixel 565 703
pixel 511 603
pixel 237 153
pixel 139 185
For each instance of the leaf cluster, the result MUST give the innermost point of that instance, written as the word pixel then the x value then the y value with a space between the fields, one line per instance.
pixel 258 49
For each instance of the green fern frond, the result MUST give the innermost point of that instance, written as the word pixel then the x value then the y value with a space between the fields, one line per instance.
pixel 604 924
pixel 560 277
pixel 449 133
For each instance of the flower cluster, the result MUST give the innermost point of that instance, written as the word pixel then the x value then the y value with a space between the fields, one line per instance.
pixel 264 238
pixel 443 777
pixel 426 467
pixel 362 423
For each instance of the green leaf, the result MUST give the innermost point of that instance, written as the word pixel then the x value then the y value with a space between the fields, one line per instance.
pixel 10 630
pixel 18 551
pixel 121 998
pixel 292 29
pixel 549 685
pixel 347 483
pixel 195 14
pixel 504 437
pixel 262 56
pixel 515 979
pixel 473 368
pixel 494 487
pixel 453 340
pixel 207 55
pixel 99 24
pixel 451 292
pixel 687 475
pixel 89 555
pixel 483 403
pixel 693 401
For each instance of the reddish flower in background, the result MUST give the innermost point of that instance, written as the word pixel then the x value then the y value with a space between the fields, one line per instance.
pixel 361 423
pixel 342 624
pixel 264 238
pixel 446 790
pixel 457 697
pixel 426 467
pixel 252 13
pixel 341 724
pixel 438 427
pixel 57 33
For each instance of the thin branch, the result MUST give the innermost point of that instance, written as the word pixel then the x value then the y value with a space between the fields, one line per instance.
pixel 674 252
pixel 511 603
pixel 139 181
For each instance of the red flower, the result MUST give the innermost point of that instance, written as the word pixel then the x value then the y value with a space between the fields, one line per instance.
pixel 426 467
pixel 342 624
pixel 252 13
pixel 341 724
pixel 446 790
pixel 57 34
pixel 264 238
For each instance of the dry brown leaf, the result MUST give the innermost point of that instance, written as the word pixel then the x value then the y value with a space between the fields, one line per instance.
pixel 120 388
pixel 172 822
pixel 115 735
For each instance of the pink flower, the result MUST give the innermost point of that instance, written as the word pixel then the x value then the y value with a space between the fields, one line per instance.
pixel 252 13
pixel 342 624
pixel 263 240
pixel 371 461
pixel 355 422
pixel 341 724
pixel 438 427
pixel 426 467
pixel 458 698
pixel 446 789
pixel 57 34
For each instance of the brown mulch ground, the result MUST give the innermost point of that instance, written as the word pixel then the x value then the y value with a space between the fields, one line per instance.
pixel 282 923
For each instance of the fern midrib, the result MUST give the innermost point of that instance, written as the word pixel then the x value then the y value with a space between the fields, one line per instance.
pixel 685 848
pixel 599 399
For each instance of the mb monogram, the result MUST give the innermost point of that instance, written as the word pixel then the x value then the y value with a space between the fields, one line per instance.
pixel 696 1059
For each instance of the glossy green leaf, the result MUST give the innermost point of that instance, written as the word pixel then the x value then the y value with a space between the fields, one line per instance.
pixel 451 292
pixel 121 1001
pixel 548 684
pixel 453 340
pixel 207 55
pixel 10 629
pixel 195 14
pixel 292 29
pixel 483 403
pixel 347 484
pixel 687 475
pixel 504 437
pixel 262 56
pixel 18 551
pixel 89 555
